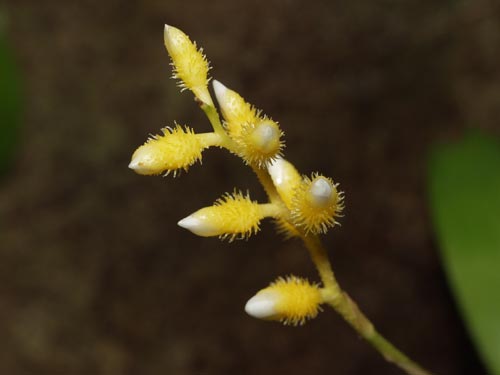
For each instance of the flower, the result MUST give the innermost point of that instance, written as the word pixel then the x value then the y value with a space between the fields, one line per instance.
pixel 316 204
pixel 291 300
pixel 190 64
pixel 176 149
pixel 232 216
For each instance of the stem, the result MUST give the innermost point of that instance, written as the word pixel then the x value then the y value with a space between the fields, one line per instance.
pixel 213 117
pixel 209 139
pixel 348 309
pixel 271 210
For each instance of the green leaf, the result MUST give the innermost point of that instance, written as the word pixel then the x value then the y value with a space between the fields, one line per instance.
pixel 464 183
pixel 10 104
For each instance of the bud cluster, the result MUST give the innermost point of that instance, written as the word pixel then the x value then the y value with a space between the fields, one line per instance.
pixel 302 206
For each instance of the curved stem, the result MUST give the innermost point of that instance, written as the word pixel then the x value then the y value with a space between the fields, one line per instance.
pixel 213 117
pixel 348 309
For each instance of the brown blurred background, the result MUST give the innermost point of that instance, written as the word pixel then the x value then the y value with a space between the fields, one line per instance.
pixel 96 278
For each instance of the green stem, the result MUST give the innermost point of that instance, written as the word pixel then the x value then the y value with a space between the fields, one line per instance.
pixel 213 117
pixel 347 308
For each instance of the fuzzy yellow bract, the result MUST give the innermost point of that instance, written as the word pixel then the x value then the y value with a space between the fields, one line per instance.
pixel 297 300
pixel 190 65
pixel 236 112
pixel 176 149
pixel 235 216
pixel 316 204
pixel 260 143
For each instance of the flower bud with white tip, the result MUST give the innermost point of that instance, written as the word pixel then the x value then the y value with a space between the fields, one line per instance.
pixel 190 65
pixel 285 178
pixel 232 216
pixel 316 204
pixel 292 301
pixel 260 143
pixel 176 149
pixel 235 110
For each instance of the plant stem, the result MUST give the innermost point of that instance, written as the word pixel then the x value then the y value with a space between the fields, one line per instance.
pixel 213 117
pixel 348 309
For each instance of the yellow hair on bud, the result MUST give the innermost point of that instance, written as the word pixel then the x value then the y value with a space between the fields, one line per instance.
pixel 238 215
pixel 297 300
pixel 176 149
pixel 260 143
pixel 235 109
pixel 286 229
pixel 316 204
pixel 234 216
pixel 190 64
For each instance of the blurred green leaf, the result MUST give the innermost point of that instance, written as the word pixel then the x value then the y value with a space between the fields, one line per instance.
pixel 10 104
pixel 465 199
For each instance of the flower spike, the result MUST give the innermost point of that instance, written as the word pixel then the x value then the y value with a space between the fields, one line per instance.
pixel 301 206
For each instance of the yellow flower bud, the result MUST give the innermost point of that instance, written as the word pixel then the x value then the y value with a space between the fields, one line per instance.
pixel 190 65
pixel 176 149
pixel 292 301
pixel 232 216
pixel 286 179
pixel 316 204
pixel 235 110
pixel 260 143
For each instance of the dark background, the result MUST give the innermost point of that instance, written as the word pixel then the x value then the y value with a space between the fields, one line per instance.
pixel 95 276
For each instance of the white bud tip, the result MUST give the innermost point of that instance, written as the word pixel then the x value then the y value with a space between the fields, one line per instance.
pixel 142 160
pixel 220 90
pixel 262 305
pixel 198 226
pixel 321 191
pixel 266 137
pixel 133 164
pixel 277 170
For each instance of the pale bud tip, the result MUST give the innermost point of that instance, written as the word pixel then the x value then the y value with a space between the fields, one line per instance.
pixel 321 190
pixel 139 163
pixel 198 225
pixel 277 170
pixel 133 164
pixel 165 31
pixel 220 90
pixel 262 305
pixel 266 137
pixel 190 223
